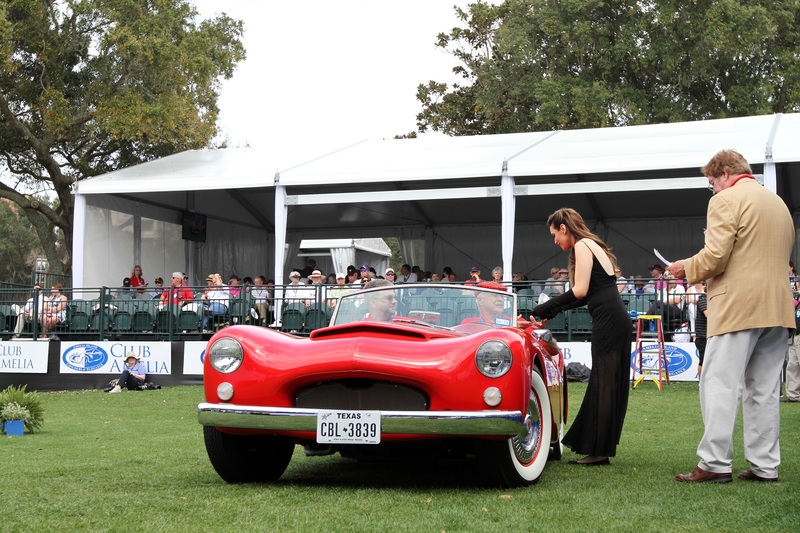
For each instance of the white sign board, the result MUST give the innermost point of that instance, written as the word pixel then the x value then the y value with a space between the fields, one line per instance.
pixel 23 357
pixel 194 353
pixel 109 357
pixel 681 357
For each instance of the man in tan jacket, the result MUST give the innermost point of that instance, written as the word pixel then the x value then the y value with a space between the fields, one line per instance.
pixel 750 311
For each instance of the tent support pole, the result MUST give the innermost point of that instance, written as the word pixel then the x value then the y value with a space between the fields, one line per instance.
pixel 78 240
pixel 508 215
pixel 281 214
pixel 770 172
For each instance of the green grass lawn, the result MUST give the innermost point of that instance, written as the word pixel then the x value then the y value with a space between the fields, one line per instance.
pixel 136 461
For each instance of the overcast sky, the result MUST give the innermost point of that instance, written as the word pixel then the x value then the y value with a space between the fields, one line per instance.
pixel 329 73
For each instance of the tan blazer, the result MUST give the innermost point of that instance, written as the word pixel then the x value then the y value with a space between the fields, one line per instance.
pixel 746 260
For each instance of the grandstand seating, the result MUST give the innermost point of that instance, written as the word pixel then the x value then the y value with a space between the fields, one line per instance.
pixel 95 313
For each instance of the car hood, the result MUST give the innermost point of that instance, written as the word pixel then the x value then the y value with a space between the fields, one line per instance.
pixel 409 331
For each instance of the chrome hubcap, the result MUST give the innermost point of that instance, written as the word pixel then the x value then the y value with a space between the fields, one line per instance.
pixel 526 443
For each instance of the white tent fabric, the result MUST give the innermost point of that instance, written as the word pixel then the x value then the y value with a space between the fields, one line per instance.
pixel 439 195
pixel 655 147
pixel 346 252
pixel 627 149
pixel 342 256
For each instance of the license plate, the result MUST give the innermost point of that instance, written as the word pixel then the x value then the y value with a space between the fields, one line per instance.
pixel 349 427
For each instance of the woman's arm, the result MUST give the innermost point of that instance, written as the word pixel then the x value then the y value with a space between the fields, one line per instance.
pixel 583 268
pixel 62 303
pixel 135 369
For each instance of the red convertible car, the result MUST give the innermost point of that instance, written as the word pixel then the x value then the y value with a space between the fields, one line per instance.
pixel 444 366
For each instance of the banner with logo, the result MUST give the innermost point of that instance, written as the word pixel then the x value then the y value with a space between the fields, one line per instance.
pixel 109 357
pixel 23 357
pixel 681 358
pixel 194 353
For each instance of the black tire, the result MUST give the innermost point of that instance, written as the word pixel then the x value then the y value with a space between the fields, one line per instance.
pixel 247 458
pixel 520 460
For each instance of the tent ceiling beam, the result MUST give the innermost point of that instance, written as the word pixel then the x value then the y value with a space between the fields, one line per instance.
pixel 253 210
pixel 598 212
pixel 538 189
pixel 426 220
pixel 387 196
pixel 544 189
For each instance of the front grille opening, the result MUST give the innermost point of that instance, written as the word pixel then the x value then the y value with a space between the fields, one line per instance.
pixel 357 394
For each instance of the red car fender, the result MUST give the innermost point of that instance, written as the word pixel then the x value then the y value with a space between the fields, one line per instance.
pixel 550 361
pixel 276 365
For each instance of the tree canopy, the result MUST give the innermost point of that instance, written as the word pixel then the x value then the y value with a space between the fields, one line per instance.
pixel 91 86
pixel 533 65
pixel 19 246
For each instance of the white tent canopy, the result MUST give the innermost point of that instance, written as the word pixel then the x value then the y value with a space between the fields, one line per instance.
pixel 345 252
pixel 453 201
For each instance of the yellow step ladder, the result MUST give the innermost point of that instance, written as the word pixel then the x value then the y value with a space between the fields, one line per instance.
pixel 643 334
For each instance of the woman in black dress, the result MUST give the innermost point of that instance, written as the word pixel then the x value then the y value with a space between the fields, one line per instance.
pixel 598 425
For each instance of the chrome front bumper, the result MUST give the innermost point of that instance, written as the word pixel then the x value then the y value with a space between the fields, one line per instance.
pixel 392 422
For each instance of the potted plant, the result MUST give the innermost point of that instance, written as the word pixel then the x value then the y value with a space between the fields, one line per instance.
pixel 16 404
pixel 15 417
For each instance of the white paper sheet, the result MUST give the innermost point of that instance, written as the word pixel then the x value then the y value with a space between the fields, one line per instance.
pixel 667 263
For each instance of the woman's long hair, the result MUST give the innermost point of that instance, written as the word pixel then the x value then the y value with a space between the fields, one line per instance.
pixel 133 272
pixel 576 227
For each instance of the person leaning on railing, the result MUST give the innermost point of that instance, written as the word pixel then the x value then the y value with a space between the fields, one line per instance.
pixel 214 299
pixel 672 292
pixel 54 310
pixel 177 292
pixel 158 290
pixel 25 313
pixel 341 288
pixel 262 300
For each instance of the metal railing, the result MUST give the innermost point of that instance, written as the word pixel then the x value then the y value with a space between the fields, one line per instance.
pixel 117 313
pixel 46 279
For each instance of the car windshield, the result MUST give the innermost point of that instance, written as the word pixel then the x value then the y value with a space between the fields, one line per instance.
pixel 442 305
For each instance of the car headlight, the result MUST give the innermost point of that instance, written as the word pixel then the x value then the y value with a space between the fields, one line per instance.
pixel 493 359
pixel 225 355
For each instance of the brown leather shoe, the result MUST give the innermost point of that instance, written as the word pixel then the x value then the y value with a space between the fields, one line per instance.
pixel 699 475
pixel 748 475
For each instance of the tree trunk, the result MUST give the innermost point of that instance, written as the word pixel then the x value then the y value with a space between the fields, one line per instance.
pixel 45 230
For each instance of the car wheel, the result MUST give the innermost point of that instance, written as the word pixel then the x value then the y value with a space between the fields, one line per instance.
pixel 247 458
pixel 520 460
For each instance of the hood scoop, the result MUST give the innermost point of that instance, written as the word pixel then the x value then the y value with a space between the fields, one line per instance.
pixel 381 328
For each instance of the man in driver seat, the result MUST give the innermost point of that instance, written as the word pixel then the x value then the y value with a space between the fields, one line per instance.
pixel 382 305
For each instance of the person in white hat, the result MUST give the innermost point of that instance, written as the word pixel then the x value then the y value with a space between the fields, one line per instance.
pixel 341 288
pixel 133 376
pixel 295 291
pixel 316 284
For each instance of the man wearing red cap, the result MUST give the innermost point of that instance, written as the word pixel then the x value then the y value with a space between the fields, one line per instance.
pixel 474 276
pixel 491 307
